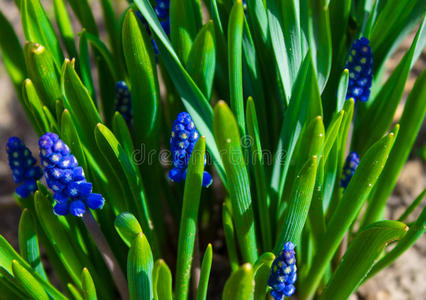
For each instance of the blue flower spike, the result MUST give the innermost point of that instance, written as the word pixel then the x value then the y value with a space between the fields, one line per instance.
pixel 162 11
pixel 182 142
pixel 351 163
pixel 283 273
pixel 360 66
pixel 22 163
pixel 124 101
pixel 72 193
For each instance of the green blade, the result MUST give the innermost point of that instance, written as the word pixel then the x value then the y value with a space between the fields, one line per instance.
pixel 201 63
pixel 188 220
pixel 38 29
pixel 28 243
pixel 162 281
pixel 363 180
pixel 235 39
pixel 88 286
pixel 127 227
pixel 139 269
pixel 206 266
pixel 65 27
pixel 360 257
pixel 228 139
pixel 240 284
pixel 28 282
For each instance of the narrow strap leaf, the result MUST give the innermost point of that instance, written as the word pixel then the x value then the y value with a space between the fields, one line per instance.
pixel 240 285
pixel 263 201
pixel 412 206
pixel 89 290
pixel 162 281
pixel 235 40
pixel 262 270
pixel 201 63
pixel 28 243
pixel 139 269
pixel 360 257
pixel 356 193
pixel 228 139
pixel 65 27
pixel 127 227
pixel 298 207
pixel 188 220
pixel 414 233
pixel 28 282
pixel 229 232
pixel 206 266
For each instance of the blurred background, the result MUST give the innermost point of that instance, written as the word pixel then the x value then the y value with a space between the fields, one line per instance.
pixel 404 280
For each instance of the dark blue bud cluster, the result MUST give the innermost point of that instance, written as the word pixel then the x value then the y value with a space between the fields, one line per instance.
pixel 283 273
pixel 72 192
pixel 184 137
pixel 360 66
pixel 123 101
pixel 22 164
pixel 351 163
pixel 162 11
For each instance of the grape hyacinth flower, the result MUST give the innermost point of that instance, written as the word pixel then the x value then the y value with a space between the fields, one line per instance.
pixel 162 11
pixel 22 164
pixel 66 179
pixel 184 137
pixel 283 273
pixel 360 66
pixel 351 163
pixel 124 101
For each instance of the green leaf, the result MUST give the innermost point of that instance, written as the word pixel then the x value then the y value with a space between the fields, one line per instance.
pixel 386 102
pixel 12 53
pixel 235 40
pixel 262 271
pixel 103 51
pixel 284 27
pixel 229 232
pixel 228 139
pixel 183 26
pixel 412 206
pixel 65 27
pixel 127 174
pixel 82 10
pixel 298 207
pixel 139 269
pixel 142 70
pixel 162 281
pixel 188 220
pixel 89 290
pixel 8 255
pixel 414 233
pixel 363 180
pixel 121 131
pixel 342 90
pixel 263 201
pixel 299 111
pixel 80 105
pixel 410 123
pixel 240 285
pixel 320 39
pixel 206 266
pixel 201 63
pixel 28 243
pixel 56 231
pixel 44 73
pixel 34 106
pixel 38 29
pixel 360 257
pixel 28 282
pixel 85 67
pixel 394 22
pixel 192 97
pixel 127 227
pixel 74 292
pixel 70 136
